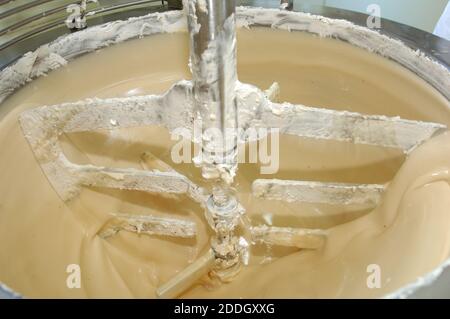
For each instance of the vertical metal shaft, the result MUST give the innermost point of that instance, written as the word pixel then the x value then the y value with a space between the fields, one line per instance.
pixel 212 29
pixel 213 65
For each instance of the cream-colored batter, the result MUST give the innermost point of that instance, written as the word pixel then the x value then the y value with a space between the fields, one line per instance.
pixel 406 236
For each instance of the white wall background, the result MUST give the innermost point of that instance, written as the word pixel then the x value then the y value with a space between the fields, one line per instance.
pixel 422 14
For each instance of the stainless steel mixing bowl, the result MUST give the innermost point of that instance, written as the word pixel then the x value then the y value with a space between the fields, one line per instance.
pixel 26 25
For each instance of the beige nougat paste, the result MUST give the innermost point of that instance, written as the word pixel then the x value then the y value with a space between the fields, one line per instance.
pixel 407 235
